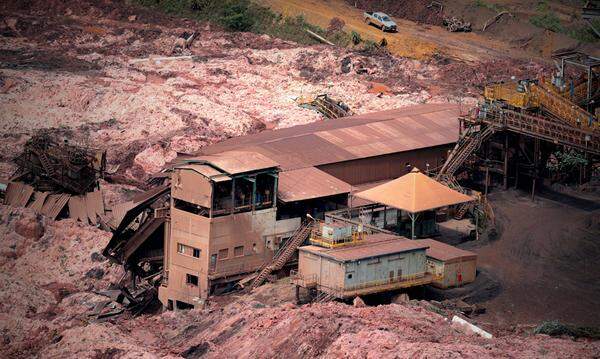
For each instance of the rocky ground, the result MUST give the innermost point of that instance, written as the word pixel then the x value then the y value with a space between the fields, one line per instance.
pixel 49 270
pixel 72 68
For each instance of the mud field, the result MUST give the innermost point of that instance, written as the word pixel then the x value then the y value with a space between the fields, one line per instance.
pixel 93 73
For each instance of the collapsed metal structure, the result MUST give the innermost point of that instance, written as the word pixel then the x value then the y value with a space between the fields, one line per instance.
pixel 328 107
pixel 138 234
pixel 53 166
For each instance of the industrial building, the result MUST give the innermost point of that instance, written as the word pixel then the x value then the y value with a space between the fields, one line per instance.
pixel 360 149
pixel 235 205
pixel 449 266
pixel 379 262
pixel 238 210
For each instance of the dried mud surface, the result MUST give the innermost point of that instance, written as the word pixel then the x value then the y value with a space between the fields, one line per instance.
pixel 66 67
pixel 72 67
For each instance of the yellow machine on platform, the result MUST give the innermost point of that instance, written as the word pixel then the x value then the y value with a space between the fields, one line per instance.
pixel 533 95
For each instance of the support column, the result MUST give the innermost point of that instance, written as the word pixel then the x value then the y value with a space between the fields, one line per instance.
pixel 384 216
pixel 275 186
pixel 589 89
pixel 505 161
pixel 487 179
pixel 233 195
pixel 253 193
pixel 517 175
pixel 413 218
pixel 536 160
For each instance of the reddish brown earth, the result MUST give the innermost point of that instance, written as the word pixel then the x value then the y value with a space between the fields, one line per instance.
pixel 47 293
pixel 70 67
pixel 66 66
pixel 545 259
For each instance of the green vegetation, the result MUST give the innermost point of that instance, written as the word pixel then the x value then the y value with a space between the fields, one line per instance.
pixel 489 6
pixel 583 32
pixel 356 38
pixel 545 18
pixel 556 328
pixel 566 161
pixel 244 15
pixel 548 20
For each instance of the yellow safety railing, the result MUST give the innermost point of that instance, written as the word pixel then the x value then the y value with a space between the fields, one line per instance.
pixel 319 240
pixel 316 237
pixel 342 291
pixel 545 95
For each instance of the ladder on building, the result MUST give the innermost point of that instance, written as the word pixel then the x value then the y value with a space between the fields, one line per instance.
pixel 465 146
pixel 284 254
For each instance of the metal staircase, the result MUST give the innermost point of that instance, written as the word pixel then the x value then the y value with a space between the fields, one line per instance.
pixel 323 297
pixel 562 107
pixel 330 108
pixel 46 164
pixel 462 210
pixel 284 254
pixel 465 146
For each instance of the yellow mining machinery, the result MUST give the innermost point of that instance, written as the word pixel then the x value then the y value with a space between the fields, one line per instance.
pixel 573 102
pixel 539 95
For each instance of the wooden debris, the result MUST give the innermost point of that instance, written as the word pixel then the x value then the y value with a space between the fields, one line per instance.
pixel 190 40
pixel 494 19
pixel 38 201
pixel 320 38
pixel 163 58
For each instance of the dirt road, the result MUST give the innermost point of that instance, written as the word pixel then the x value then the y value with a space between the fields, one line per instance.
pixel 412 40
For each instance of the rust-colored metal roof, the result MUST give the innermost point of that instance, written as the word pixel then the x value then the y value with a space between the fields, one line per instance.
pixel 235 162
pixel 349 138
pixel 414 192
pixel 445 252
pixel 207 171
pixel 375 245
pixel 307 183
pixel 18 194
pixel 54 204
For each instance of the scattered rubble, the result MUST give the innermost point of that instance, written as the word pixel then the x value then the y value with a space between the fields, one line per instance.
pixel 454 24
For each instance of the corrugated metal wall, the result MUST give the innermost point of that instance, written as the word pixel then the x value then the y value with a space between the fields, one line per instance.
pixel 459 273
pixel 386 167
pixel 384 267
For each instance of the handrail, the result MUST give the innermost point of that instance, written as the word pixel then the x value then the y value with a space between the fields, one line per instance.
pixel 341 291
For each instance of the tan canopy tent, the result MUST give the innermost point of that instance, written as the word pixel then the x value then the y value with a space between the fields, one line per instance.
pixel 414 193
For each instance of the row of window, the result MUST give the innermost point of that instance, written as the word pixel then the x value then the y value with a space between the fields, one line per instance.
pixel 188 250
pixel 237 252
pixel 223 253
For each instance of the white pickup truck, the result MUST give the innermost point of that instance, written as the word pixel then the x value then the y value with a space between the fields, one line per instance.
pixel 380 20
